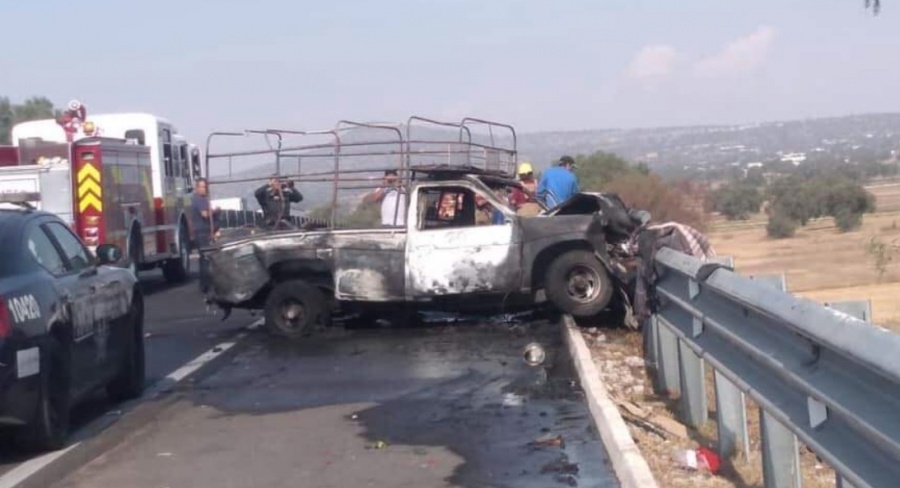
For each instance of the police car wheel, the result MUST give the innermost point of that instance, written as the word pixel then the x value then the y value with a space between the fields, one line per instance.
pixel 129 383
pixel 49 427
pixel 294 308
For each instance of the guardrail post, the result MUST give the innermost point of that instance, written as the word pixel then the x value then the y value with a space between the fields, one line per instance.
pixel 731 417
pixel 693 386
pixel 861 309
pixel 781 456
pixel 668 376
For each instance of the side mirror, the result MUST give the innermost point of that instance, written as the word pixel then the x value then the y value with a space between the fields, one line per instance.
pixel 108 254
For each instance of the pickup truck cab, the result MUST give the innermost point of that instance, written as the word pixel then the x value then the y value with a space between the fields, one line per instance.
pixel 443 258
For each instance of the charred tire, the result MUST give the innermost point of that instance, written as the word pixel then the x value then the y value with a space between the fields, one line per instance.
pixel 577 283
pixel 129 382
pixel 177 270
pixel 49 428
pixel 294 308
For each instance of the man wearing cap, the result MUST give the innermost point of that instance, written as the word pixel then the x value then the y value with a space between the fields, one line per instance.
pixel 523 203
pixel 558 183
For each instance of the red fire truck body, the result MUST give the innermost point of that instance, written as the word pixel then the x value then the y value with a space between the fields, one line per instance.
pixel 124 181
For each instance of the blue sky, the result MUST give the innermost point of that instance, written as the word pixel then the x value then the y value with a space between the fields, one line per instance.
pixel 540 65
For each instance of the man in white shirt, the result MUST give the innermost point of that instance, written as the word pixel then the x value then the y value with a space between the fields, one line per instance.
pixel 393 213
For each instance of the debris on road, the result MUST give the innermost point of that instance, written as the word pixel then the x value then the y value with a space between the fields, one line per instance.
pixel 561 466
pixel 549 441
pixel 378 445
pixel 700 459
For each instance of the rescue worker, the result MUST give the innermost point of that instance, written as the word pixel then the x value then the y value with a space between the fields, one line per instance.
pixel 275 199
pixel 523 203
pixel 558 183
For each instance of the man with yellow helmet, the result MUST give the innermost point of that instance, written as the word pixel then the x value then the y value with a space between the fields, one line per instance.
pixel 524 204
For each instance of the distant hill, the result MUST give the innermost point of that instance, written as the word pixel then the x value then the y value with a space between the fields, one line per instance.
pixel 664 149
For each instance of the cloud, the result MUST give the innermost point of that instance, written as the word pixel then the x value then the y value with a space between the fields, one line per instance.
pixel 653 62
pixel 741 56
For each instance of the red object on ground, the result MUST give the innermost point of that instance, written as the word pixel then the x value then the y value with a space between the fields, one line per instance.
pixel 709 458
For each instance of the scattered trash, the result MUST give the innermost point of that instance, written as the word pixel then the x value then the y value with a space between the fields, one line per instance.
pixel 701 459
pixel 512 400
pixel 164 454
pixel 534 354
pixel 354 417
pixel 114 413
pixel 378 445
pixel 550 441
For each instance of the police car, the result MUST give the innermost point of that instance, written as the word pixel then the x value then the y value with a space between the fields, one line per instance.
pixel 70 323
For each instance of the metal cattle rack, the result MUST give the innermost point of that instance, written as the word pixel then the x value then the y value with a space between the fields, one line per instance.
pixel 354 156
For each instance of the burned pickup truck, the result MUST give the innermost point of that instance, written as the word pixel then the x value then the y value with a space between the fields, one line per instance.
pixel 440 256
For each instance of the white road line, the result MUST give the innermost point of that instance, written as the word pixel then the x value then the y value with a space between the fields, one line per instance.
pixel 28 468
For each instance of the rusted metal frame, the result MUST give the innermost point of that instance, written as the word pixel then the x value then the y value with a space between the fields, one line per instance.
pixel 266 134
pixel 404 180
pixel 491 124
pixel 208 155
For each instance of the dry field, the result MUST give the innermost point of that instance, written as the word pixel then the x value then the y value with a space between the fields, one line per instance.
pixel 821 263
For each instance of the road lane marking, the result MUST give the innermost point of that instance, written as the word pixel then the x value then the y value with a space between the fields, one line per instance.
pixel 25 470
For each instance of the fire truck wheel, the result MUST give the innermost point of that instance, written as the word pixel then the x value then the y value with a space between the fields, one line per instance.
pixel 294 308
pixel 177 270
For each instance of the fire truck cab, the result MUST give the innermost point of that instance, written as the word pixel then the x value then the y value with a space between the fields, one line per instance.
pixel 122 179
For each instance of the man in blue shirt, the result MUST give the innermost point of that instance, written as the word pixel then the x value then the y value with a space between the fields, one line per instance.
pixel 558 183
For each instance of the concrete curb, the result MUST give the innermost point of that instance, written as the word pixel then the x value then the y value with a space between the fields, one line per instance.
pixel 629 464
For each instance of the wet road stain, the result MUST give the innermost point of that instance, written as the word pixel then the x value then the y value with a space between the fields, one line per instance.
pixel 462 387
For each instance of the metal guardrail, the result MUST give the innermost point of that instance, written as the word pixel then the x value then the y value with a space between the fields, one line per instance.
pixel 818 374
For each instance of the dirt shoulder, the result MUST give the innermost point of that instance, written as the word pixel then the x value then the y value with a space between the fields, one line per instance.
pixel 618 355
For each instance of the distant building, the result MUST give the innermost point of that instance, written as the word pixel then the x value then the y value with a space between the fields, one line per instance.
pixel 794 158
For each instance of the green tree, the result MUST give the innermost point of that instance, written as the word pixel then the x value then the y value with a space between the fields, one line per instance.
pixel 736 201
pixel 780 225
pixel 600 169
pixel 35 108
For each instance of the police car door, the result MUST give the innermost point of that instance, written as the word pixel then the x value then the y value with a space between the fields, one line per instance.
pixel 90 327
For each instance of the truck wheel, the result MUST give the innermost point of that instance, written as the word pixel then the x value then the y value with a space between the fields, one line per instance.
pixel 129 382
pixel 177 270
pixel 578 284
pixel 134 254
pixel 49 427
pixel 293 308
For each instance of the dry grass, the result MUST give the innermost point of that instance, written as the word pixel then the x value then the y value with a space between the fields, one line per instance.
pixel 740 471
pixel 820 262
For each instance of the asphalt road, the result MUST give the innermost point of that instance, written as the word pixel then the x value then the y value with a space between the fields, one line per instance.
pixel 178 329
pixel 445 405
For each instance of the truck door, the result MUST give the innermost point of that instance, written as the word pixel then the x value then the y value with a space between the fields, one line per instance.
pixel 451 250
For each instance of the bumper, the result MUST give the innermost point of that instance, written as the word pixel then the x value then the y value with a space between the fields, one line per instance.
pixel 18 396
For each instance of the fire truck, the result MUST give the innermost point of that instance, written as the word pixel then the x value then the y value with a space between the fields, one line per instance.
pixel 122 178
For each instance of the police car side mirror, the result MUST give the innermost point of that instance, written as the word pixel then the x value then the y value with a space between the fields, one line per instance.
pixel 108 254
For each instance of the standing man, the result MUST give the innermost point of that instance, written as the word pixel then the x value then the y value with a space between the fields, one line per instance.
pixel 201 227
pixel 558 183
pixel 392 198
pixel 275 199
